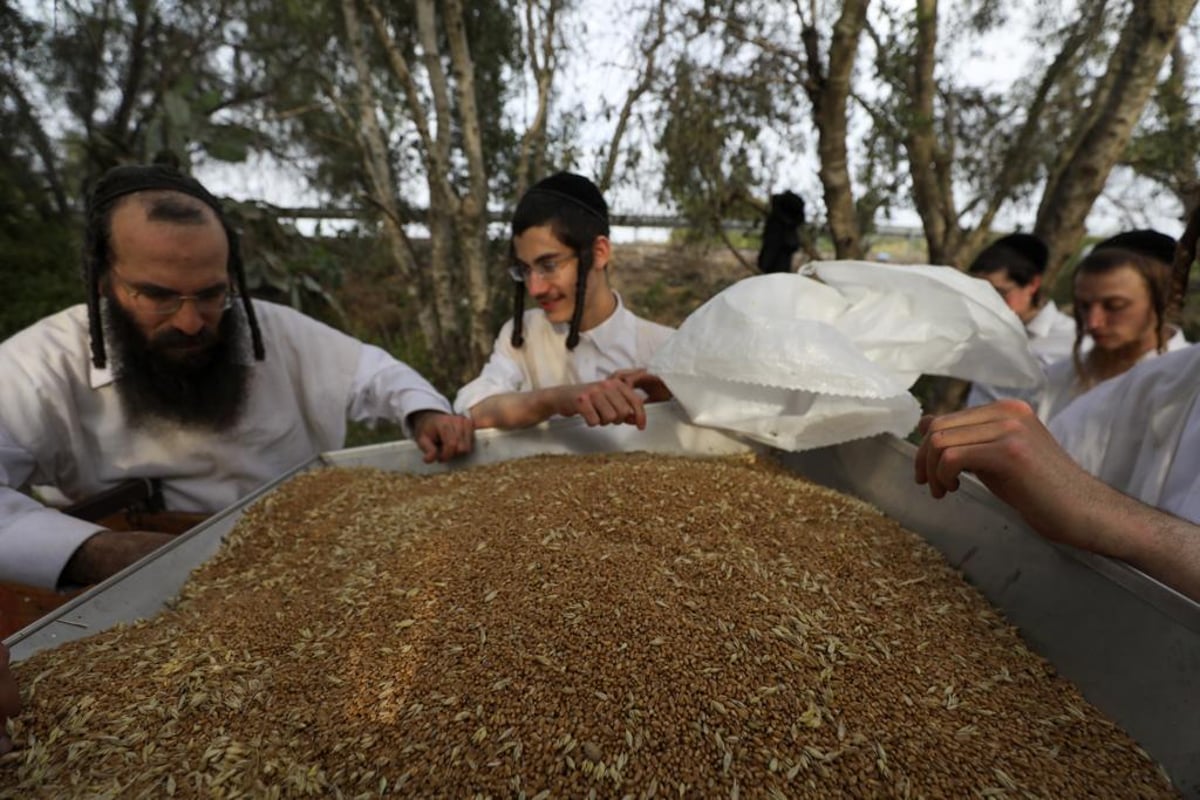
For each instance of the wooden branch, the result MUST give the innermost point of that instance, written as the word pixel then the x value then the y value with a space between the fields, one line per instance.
pixel 468 109
pixel 1147 38
pixel 1185 255
pixel 400 69
pixel 131 84
pixel 41 143
pixel 920 137
pixel 438 84
pixel 1017 154
pixel 648 75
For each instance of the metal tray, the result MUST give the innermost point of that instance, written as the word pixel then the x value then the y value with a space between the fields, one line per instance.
pixel 1131 644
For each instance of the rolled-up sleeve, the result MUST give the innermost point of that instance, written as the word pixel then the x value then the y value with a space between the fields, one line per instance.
pixel 385 388
pixel 500 375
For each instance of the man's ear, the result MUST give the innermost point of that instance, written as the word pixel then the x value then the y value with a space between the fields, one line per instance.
pixel 1035 283
pixel 601 252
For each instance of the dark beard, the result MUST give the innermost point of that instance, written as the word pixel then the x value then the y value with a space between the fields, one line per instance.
pixel 204 388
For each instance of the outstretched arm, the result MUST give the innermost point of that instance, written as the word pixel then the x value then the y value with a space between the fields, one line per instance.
pixel 1008 448
pixel 608 402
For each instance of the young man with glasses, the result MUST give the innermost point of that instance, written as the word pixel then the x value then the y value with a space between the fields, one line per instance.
pixel 171 373
pixel 581 351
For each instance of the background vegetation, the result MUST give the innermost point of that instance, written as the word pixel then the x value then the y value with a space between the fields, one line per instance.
pixel 438 113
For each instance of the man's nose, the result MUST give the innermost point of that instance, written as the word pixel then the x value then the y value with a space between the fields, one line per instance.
pixel 188 318
pixel 1093 318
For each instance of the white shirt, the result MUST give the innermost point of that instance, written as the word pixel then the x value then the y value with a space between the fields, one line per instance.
pixel 1140 432
pixel 622 341
pixel 1063 385
pixel 62 424
pixel 1051 337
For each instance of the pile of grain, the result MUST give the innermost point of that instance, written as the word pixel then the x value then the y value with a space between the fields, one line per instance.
pixel 587 626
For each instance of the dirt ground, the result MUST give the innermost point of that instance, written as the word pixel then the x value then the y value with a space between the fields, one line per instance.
pixel 666 282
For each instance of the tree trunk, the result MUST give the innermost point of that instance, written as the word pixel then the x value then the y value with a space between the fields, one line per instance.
pixel 444 206
pixel 1148 36
pixel 380 181
pixel 472 216
pixel 828 95
pixel 932 193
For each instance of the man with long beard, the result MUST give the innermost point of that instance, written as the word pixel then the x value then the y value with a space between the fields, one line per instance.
pixel 206 391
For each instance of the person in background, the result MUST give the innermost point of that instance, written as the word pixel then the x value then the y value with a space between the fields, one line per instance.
pixel 781 233
pixel 170 372
pixel 1120 299
pixel 1014 266
pixel 581 351
pixel 10 699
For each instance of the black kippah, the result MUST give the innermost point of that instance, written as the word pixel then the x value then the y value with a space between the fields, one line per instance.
pixel 1144 242
pixel 574 189
pixel 127 179
pixel 1025 246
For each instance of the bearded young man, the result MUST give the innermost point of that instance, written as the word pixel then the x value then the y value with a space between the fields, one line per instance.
pixel 172 373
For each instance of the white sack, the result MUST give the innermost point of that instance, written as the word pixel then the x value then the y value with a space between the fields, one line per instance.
pixel 797 364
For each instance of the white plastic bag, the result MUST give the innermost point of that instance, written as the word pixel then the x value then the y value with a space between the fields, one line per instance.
pixel 796 363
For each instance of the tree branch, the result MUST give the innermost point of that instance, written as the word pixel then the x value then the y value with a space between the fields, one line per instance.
pixel 649 73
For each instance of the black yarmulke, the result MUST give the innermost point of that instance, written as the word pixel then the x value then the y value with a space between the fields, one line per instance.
pixel 1145 242
pixel 574 189
pixel 1024 246
pixel 130 178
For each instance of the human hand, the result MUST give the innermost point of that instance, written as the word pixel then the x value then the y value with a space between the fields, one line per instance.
pixel 108 552
pixel 611 401
pixel 639 378
pixel 10 699
pixel 442 436
pixel 1008 448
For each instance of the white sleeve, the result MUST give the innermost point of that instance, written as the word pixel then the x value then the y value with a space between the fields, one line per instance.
pixel 386 388
pixel 35 542
pixel 1086 424
pixel 500 375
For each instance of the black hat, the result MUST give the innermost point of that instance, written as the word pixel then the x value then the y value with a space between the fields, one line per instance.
pixel 130 178
pixel 572 188
pixel 1146 242
pixel 1024 248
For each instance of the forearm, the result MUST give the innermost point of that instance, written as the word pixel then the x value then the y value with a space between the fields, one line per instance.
pixel 521 409
pixel 108 552
pixel 1105 521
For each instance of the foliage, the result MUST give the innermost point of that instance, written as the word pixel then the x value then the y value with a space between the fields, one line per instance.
pixel 39 273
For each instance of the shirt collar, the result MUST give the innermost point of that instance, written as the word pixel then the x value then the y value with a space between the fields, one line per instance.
pixel 1043 322
pixel 613 328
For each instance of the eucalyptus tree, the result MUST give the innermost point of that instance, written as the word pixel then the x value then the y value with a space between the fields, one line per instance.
pixel 1056 134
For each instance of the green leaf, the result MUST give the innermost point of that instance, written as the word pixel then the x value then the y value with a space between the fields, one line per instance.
pixel 229 142
pixel 179 113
